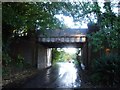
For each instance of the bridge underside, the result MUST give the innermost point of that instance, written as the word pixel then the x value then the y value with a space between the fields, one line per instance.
pixel 63 44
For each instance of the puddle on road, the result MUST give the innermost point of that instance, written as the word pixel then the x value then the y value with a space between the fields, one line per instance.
pixel 68 76
pixel 63 76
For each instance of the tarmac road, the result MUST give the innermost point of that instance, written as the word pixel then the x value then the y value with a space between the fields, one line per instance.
pixel 61 75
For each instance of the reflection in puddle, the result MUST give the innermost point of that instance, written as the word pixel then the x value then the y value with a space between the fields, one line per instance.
pixel 68 75
pixel 48 71
pixel 47 77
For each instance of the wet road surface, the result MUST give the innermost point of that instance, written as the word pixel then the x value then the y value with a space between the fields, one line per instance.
pixel 61 75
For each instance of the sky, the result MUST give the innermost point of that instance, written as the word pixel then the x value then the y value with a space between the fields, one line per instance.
pixel 69 20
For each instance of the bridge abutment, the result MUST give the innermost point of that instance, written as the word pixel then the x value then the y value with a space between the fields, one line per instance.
pixel 44 57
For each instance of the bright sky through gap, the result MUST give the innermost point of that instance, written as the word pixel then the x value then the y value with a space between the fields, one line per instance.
pixel 68 21
pixel 70 50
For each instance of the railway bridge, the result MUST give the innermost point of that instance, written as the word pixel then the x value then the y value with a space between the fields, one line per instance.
pixel 58 38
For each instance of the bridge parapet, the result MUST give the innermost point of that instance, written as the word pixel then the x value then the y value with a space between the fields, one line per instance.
pixel 63 39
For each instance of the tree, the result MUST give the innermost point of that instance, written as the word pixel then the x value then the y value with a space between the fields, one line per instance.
pixel 26 17
pixel 107 36
pixel 21 20
pixel 106 24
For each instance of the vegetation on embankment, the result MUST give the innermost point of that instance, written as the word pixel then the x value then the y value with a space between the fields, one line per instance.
pixel 16 80
pixel 106 71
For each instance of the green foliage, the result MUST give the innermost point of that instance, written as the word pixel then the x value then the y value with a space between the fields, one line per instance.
pixel 98 40
pixel 6 63
pixel 19 62
pixel 5 71
pixel 59 55
pixel 6 59
pixel 108 35
pixel 25 17
pixel 106 70
pixel 96 78
pixel 10 64
pixel 55 55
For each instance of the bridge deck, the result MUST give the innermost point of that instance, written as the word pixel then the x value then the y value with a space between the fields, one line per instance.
pixel 63 39
pixel 60 38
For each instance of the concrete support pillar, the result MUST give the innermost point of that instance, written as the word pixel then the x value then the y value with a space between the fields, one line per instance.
pixel 49 57
pixel 41 60
pixel 44 57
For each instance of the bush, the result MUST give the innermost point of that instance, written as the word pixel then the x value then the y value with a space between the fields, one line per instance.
pixel 106 70
pixel 6 59
pixel 10 65
pixel 19 61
